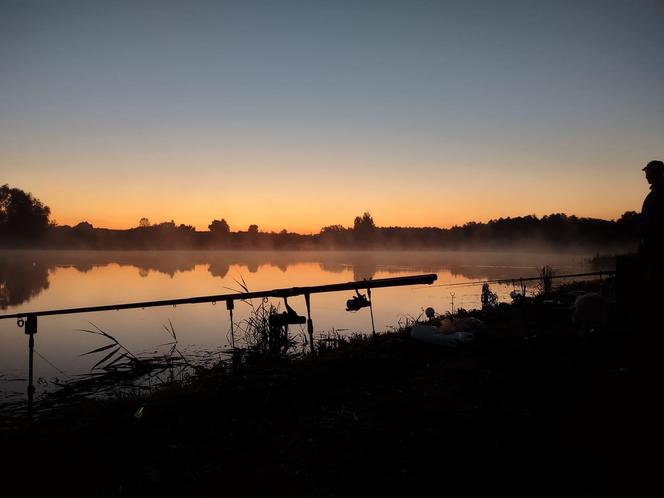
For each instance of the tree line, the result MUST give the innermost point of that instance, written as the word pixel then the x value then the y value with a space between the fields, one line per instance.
pixel 25 222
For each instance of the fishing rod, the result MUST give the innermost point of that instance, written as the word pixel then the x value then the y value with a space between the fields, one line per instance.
pixel 527 279
pixel 240 296
pixel 28 319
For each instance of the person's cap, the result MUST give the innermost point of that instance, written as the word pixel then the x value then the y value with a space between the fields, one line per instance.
pixel 654 166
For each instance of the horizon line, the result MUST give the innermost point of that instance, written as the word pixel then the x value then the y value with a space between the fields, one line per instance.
pixel 315 232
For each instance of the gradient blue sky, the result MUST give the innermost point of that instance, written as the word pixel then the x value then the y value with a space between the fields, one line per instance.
pixel 302 114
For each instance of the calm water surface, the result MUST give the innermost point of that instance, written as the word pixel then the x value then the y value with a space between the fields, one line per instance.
pixel 40 280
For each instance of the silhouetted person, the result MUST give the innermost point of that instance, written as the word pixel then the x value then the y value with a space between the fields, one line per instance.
pixel 652 216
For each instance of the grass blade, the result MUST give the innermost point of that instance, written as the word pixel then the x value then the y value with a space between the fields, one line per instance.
pixel 103 348
pixel 104 333
pixel 106 357
pixel 123 355
pixel 88 331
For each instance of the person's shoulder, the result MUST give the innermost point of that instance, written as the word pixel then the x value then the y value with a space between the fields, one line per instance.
pixel 647 202
pixel 656 192
pixel 658 196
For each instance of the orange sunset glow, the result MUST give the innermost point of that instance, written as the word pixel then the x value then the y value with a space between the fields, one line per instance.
pixel 314 195
pixel 331 248
pixel 252 118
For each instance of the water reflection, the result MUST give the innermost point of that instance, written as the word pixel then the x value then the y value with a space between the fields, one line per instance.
pixel 25 274
pixel 42 280
pixel 21 279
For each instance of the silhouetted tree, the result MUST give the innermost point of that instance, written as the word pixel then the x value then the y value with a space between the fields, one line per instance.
pixel 364 228
pixel 336 236
pixel 628 224
pixel 219 227
pixel 364 222
pixel 629 217
pixel 165 226
pixel 332 229
pixel 84 226
pixel 22 216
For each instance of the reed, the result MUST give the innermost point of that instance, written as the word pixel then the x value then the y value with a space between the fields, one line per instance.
pixel 260 334
pixel 545 285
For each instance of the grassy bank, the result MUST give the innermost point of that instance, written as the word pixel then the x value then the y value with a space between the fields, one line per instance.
pixel 545 414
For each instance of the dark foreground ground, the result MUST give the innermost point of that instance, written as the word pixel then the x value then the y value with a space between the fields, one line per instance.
pixel 549 415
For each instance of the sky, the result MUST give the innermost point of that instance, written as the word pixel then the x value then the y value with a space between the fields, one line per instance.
pixel 302 114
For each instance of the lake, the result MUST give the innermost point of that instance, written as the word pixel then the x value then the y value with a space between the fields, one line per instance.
pixel 41 280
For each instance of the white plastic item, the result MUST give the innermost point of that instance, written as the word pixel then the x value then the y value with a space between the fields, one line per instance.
pixel 433 335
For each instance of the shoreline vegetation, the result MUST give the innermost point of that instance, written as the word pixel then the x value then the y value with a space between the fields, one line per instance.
pixel 535 406
pixel 25 223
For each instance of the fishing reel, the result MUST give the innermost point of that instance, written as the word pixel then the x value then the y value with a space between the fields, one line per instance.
pixel 357 302
pixel 286 318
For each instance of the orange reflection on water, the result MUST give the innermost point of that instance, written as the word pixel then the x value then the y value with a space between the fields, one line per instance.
pixel 48 280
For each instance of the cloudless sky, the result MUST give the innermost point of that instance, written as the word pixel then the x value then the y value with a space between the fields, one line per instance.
pixel 301 114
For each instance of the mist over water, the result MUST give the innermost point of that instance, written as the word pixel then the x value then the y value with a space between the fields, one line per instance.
pixel 41 280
